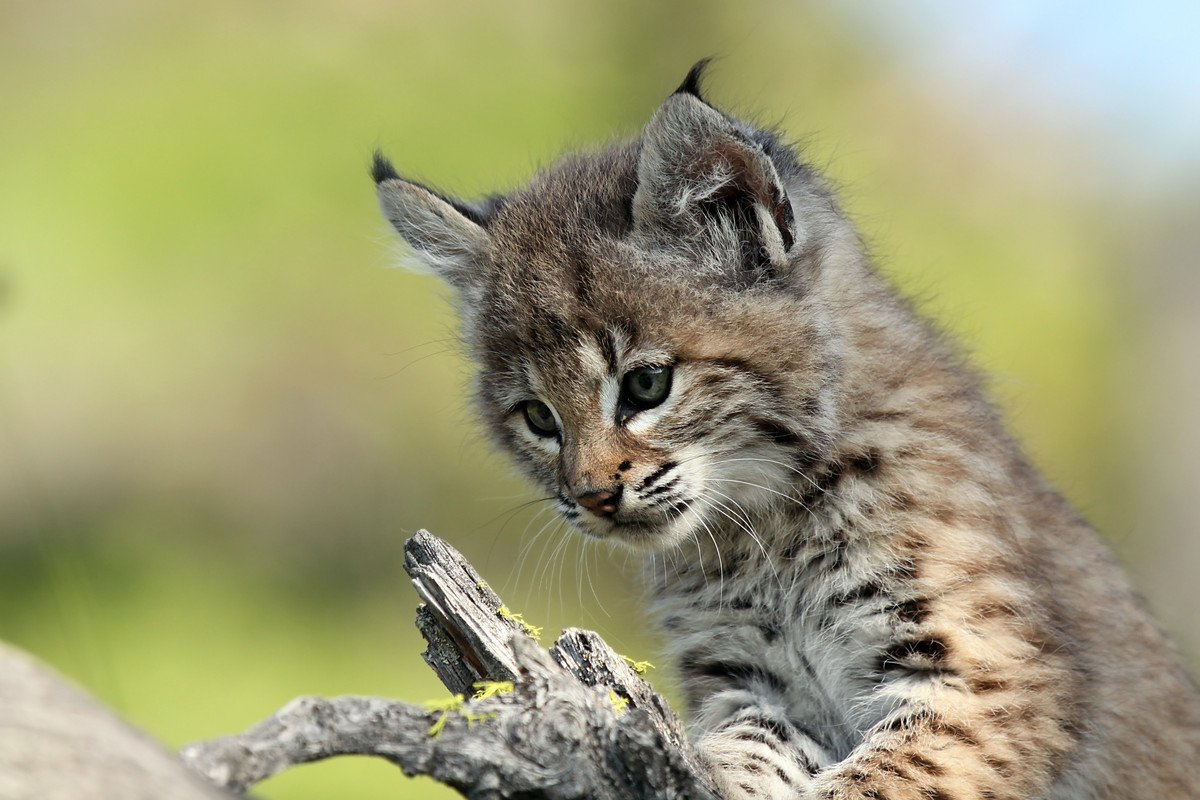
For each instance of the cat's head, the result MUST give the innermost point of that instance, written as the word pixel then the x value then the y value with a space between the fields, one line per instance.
pixel 653 347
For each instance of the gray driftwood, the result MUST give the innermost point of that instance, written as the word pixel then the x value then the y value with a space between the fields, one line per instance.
pixel 56 743
pixel 579 723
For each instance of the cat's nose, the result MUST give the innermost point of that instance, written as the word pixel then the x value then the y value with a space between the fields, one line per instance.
pixel 602 503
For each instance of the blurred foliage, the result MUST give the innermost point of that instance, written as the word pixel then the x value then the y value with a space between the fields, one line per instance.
pixel 220 415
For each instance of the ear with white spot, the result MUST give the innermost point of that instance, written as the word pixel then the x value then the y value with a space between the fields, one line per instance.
pixel 699 172
pixel 447 236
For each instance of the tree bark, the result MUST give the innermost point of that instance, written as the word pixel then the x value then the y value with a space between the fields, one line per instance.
pixel 577 722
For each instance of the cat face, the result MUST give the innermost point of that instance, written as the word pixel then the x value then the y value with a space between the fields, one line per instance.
pixel 644 437
pixel 647 324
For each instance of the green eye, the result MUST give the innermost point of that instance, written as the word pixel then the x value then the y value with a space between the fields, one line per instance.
pixel 646 387
pixel 540 418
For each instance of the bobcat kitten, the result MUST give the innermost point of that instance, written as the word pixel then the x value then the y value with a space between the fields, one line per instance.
pixel 874 595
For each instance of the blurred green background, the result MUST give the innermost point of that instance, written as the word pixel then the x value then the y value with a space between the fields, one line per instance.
pixel 221 413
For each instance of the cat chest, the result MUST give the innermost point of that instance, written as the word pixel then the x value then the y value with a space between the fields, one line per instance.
pixel 817 663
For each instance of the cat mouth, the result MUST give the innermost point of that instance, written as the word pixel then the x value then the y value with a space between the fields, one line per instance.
pixel 638 529
pixel 611 528
pixel 637 525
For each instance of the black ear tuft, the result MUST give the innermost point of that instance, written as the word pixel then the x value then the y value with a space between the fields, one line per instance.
pixel 382 169
pixel 691 84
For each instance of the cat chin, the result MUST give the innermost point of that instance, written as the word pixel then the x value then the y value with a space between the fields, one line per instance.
pixel 639 537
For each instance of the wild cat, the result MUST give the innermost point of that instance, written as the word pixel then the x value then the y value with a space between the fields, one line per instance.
pixel 874 594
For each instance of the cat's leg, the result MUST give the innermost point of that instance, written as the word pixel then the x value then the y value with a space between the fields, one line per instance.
pixel 987 709
pixel 952 715
pixel 947 751
pixel 752 748
pixel 921 752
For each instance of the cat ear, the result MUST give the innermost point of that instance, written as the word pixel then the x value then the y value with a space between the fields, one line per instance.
pixel 700 172
pixel 447 236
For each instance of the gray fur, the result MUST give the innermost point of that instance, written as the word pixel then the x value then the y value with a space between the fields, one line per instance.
pixel 868 591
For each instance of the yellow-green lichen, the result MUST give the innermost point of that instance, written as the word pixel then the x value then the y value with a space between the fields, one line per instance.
pixel 619 703
pixel 486 689
pixel 639 667
pixel 446 707
pixel 472 719
pixel 530 630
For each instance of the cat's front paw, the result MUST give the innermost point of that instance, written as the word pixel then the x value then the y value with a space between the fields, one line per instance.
pixel 748 765
pixel 753 750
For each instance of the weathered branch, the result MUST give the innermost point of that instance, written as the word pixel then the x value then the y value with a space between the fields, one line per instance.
pixel 468 639
pixel 579 722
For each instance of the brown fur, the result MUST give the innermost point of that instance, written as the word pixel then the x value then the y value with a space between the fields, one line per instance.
pixel 871 593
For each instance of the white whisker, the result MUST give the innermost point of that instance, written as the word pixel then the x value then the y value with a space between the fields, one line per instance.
pixel 759 486
pixel 783 464
pixel 527 548
pixel 743 522
pixel 720 560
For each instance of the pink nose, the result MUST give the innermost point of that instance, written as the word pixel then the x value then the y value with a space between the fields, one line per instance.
pixel 602 504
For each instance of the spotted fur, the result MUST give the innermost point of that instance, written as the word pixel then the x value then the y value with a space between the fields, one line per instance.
pixel 871 593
